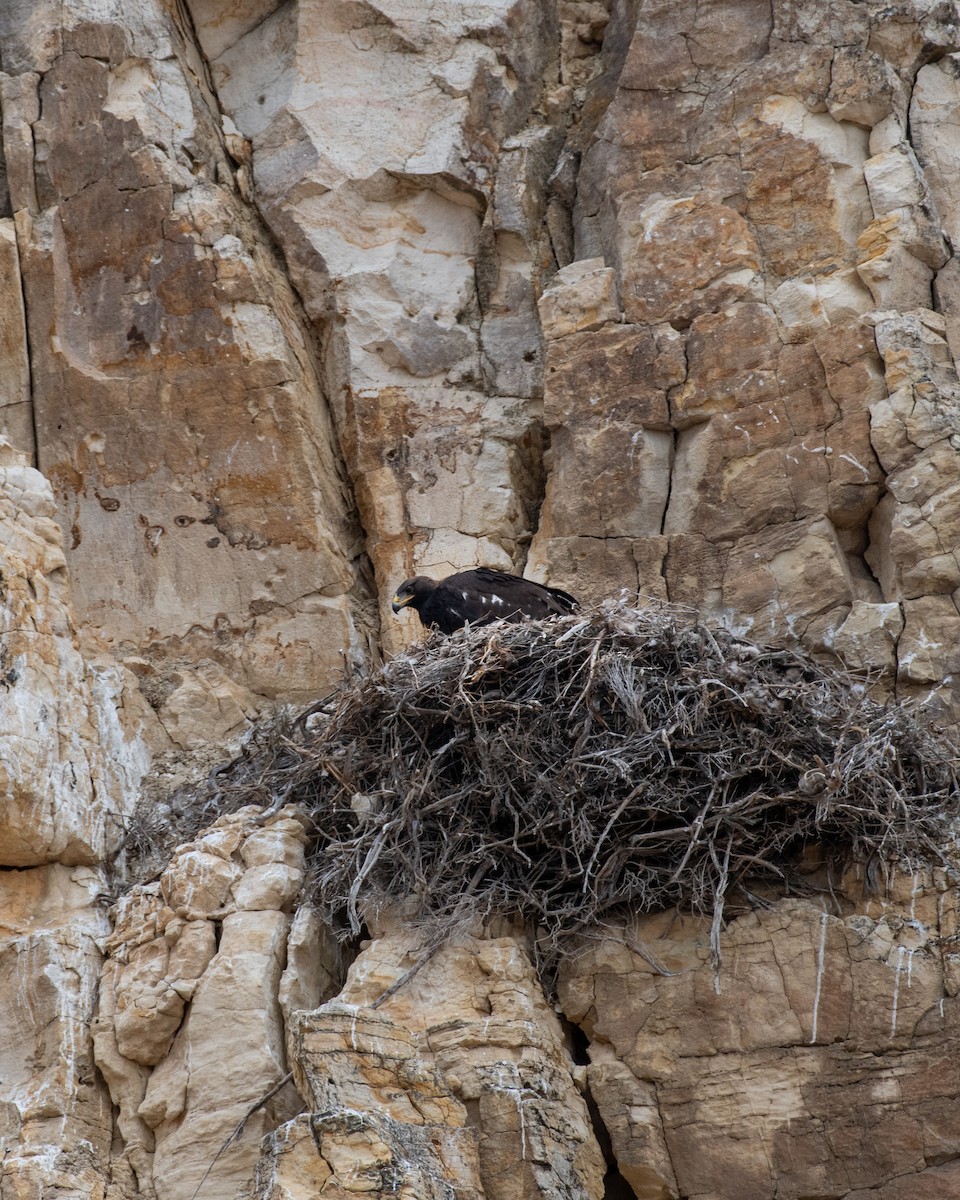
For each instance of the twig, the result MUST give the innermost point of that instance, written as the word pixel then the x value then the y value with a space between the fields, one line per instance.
pixel 237 1134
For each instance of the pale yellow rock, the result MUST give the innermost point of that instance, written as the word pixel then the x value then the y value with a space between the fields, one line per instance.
pixel 934 107
pixel 191 960
pixel 197 1096
pixel 199 711
pixel 16 415
pixel 484 1023
pixel 581 296
pixel 69 765
pixel 270 886
pixel 312 973
pixel 153 983
pixel 198 884
pixel 281 842
pixel 805 306
pixel 126 1081
pixel 55 1112
pixel 867 639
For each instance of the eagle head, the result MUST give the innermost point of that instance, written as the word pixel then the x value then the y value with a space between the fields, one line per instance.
pixel 413 591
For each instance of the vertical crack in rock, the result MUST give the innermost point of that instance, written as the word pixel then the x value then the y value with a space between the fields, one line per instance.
pixel 17 410
pixel 381 234
pixel 615 1187
pixel 17 416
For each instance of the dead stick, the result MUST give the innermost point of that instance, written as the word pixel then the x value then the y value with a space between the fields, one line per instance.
pixel 408 974
pixel 238 1132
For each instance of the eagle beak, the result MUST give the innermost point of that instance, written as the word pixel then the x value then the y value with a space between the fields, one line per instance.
pixel 400 602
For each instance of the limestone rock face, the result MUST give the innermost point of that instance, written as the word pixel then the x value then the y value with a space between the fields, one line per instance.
pixel 69 768
pixel 628 300
pixel 815 1062
pixel 56 1125
pixel 483 1021
pixel 190 1032
pixel 756 186
pixel 175 383
pixel 298 299
pixel 412 226
pixel 817 1058
pixel 382 1121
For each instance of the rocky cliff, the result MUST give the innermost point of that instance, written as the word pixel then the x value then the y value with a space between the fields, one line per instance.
pixel 653 296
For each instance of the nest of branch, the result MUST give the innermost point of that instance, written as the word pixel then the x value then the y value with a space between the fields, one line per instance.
pixel 569 770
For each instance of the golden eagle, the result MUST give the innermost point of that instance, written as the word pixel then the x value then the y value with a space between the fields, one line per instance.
pixel 479 597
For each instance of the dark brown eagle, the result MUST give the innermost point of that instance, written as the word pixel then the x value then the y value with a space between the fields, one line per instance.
pixel 479 597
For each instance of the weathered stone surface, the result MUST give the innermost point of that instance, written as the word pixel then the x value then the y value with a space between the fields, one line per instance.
pixel 417 260
pixel 484 1024
pixel 16 416
pixel 763 220
pixel 382 1119
pixel 195 958
pixel 867 639
pixel 55 1117
pixel 69 768
pixel 648 298
pixel 176 388
pixel 812 1063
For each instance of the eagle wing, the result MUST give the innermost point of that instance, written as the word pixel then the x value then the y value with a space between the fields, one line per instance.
pixel 487 594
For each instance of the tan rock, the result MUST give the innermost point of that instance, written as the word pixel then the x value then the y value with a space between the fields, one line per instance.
pixel 611 448
pixel 55 1113
pixel 69 765
pixel 313 971
pixel 197 884
pixel 126 1082
pixel 595 569
pixel 632 1118
pixel 934 105
pixel 270 886
pixel 16 414
pixel 867 639
pixel 152 985
pixel 929 648
pixel 189 959
pixel 896 184
pixel 490 1033
pixel 788 578
pixel 811 1018
pixel 204 707
pixel 690 256
pixel 897 279
pixel 382 1119
pixel 198 1094
pixel 386 228
pixel 581 296
pixel 213 517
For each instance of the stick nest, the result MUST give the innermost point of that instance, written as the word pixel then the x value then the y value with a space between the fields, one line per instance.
pixel 569 770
